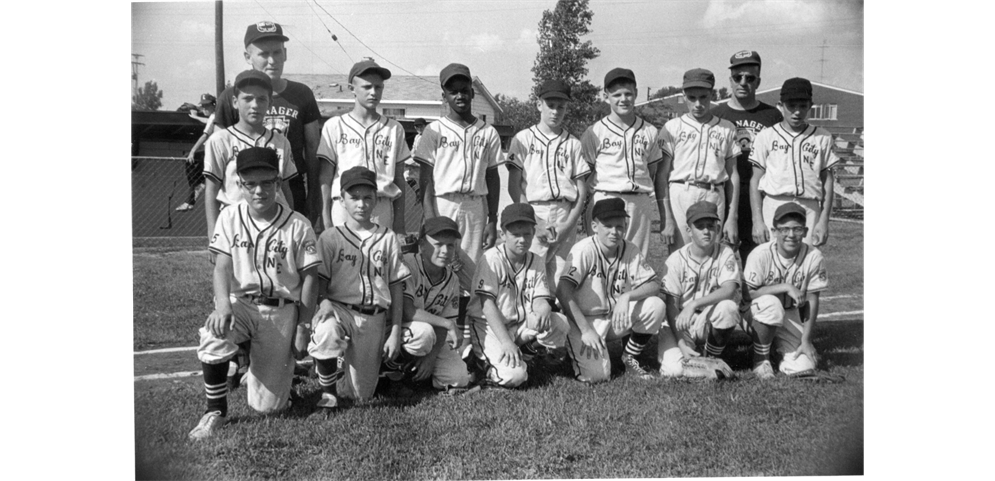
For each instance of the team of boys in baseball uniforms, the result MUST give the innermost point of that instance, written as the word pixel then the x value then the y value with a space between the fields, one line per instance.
pixel 364 311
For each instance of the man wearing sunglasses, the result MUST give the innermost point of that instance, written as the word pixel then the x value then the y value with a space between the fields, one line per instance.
pixel 749 115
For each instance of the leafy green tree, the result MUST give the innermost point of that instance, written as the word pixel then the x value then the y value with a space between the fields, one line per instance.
pixel 563 56
pixel 516 113
pixel 148 97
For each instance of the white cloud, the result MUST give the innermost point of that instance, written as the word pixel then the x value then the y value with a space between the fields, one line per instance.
pixel 485 42
pixel 725 13
pixel 527 36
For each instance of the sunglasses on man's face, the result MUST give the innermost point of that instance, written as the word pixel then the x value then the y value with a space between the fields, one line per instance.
pixel 744 77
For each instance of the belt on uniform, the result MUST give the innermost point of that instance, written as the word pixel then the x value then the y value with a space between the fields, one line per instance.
pixel 268 301
pixel 622 193
pixel 368 310
pixel 700 185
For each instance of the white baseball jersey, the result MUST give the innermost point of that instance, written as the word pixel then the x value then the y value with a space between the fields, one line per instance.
pixel 223 147
pixel 267 260
pixel 513 290
pixel 441 299
pixel 345 143
pixel 600 281
pixel 700 151
pixel 360 271
pixel 792 162
pixel 549 164
pixel 459 156
pixel 807 271
pixel 688 279
pixel 620 157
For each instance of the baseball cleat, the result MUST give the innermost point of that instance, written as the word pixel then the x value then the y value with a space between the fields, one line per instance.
pixel 208 424
pixel 764 370
pixel 328 401
pixel 632 367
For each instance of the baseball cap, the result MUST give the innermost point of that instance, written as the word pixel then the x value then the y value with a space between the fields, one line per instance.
pixel 250 77
pixel 518 212
pixel 454 70
pixel 357 176
pixel 360 68
pixel 787 209
pixel 619 74
pixel 698 77
pixel 438 225
pixel 554 89
pixel 420 121
pixel 609 208
pixel 263 29
pixel 256 158
pixel 207 99
pixel 796 89
pixel 702 209
pixel 744 57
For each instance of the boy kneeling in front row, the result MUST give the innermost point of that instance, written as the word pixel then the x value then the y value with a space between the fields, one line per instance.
pixel 702 293
pixel 510 311
pixel 608 291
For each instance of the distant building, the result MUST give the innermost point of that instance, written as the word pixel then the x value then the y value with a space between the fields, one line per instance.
pixel 405 97
pixel 833 107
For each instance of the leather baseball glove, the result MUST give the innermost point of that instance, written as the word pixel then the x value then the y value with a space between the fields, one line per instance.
pixel 706 367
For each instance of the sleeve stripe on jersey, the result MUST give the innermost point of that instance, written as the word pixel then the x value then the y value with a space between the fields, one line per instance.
pixel 401 279
pixel 570 280
pixel 324 277
pixel 313 264
pixel 655 161
pixel 400 160
pixel 292 176
pixel 757 164
pixel 641 284
pixel 326 159
pixel 219 251
pixel 422 160
pixel 408 295
pixel 213 177
pixel 485 293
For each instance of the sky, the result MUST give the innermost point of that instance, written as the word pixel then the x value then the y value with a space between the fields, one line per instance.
pixel 658 39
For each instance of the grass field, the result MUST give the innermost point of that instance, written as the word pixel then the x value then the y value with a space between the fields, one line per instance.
pixel 553 428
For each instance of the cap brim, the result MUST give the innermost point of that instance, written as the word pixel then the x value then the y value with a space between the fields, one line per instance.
pixel 382 72
pixel 694 84
pixel 744 62
pixel 452 76
pixel 555 95
pixel 261 37
pixel 703 216
pixel 517 219
pixel 455 233
pixel 359 183
pixel 611 214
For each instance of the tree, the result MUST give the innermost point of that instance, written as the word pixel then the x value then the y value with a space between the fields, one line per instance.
pixel 722 93
pixel 665 92
pixel 516 113
pixel 148 97
pixel 563 56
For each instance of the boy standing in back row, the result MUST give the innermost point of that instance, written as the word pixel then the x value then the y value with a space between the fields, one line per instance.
pixel 547 159
pixel 699 151
pixel 459 155
pixel 364 138
pixel 624 155
pixel 793 162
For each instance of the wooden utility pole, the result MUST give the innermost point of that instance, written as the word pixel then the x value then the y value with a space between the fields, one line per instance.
pixel 219 49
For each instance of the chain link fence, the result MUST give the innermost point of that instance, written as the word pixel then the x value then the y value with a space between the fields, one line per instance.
pixel 158 186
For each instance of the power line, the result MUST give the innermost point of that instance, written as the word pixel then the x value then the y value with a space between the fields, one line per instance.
pixel 385 59
pixel 299 41
pixel 334 38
